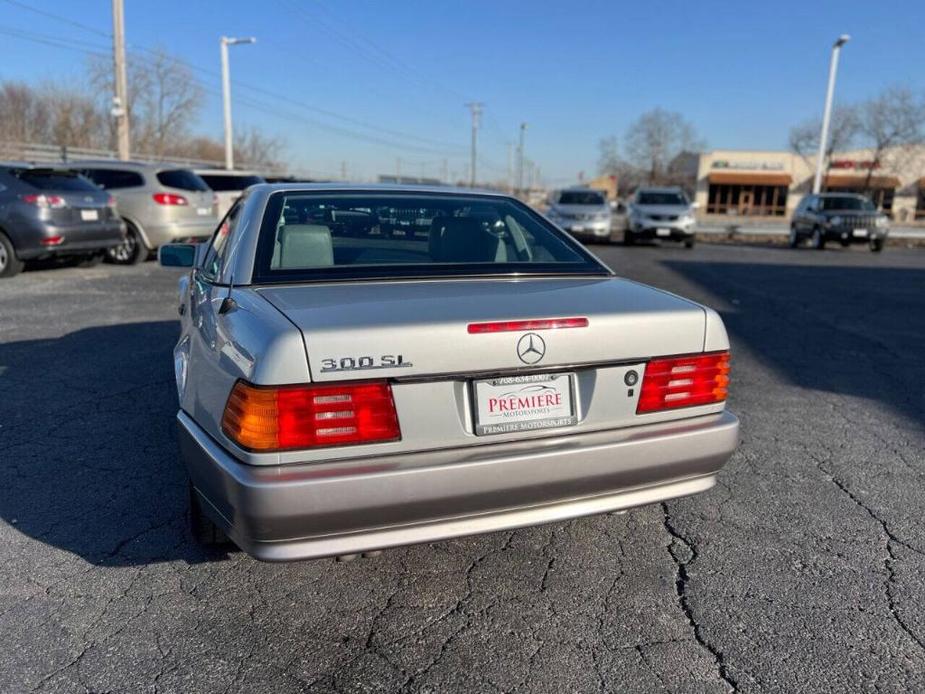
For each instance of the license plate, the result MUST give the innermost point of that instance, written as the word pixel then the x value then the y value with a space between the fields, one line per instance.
pixel 89 215
pixel 579 227
pixel 859 232
pixel 524 403
pixel 663 232
pixel 203 211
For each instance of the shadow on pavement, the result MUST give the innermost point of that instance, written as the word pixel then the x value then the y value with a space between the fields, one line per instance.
pixel 90 462
pixel 857 331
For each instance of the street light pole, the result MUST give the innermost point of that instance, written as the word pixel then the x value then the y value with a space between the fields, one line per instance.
pixel 226 96
pixel 476 108
pixel 827 112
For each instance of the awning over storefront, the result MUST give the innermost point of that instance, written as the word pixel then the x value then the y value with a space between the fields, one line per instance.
pixel 861 182
pixel 735 178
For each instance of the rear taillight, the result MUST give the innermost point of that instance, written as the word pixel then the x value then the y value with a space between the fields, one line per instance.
pixel 276 418
pixel 110 202
pixel 698 379
pixel 520 325
pixel 169 199
pixel 52 241
pixel 44 201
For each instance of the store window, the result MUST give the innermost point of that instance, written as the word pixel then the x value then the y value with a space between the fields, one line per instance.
pixel 747 199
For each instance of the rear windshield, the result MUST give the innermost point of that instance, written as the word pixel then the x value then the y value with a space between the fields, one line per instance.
pixel 661 199
pixel 55 180
pixel 847 202
pixel 221 183
pixel 314 236
pixel 184 179
pixel 580 197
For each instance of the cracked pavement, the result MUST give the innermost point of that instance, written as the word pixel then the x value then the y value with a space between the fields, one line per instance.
pixel 802 571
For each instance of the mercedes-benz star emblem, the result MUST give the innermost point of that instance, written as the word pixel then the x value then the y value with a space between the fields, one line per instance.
pixel 531 348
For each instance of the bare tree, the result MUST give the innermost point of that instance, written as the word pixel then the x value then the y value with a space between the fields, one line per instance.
pixel 656 139
pixel 75 119
pixel 891 124
pixel 257 150
pixel 608 161
pixel 23 113
pixel 844 129
pixel 164 98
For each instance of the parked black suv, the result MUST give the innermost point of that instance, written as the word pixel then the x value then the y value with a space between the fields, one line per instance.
pixel 841 217
pixel 50 211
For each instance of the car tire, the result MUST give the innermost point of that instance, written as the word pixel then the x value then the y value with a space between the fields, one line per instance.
pixel 794 240
pixel 91 260
pixel 818 239
pixel 628 239
pixel 201 527
pixel 689 243
pixel 10 264
pixel 876 245
pixel 132 251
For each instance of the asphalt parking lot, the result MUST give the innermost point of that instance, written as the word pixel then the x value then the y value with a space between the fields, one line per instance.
pixel 802 571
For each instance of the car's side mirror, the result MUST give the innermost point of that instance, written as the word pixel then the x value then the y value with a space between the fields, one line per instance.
pixel 177 255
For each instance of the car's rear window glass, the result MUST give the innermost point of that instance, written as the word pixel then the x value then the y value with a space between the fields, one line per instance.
pixel 220 183
pixel 351 235
pixel 661 199
pixel 55 180
pixel 847 202
pixel 113 179
pixel 184 179
pixel 580 197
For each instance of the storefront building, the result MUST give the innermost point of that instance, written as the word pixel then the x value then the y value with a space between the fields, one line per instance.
pixel 770 184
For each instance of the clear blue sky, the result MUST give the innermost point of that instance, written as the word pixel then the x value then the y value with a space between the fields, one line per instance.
pixel 741 72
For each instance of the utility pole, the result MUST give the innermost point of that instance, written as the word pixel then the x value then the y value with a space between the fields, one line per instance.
pixel 510 167
pixel 827 111
pixel 343 171
pixel 476 108
pixel 398 169
pixel 520 158
pixel 226 96
pixel 120 100
pixel 445 172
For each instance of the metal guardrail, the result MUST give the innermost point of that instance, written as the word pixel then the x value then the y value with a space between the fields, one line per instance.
pixel 40 153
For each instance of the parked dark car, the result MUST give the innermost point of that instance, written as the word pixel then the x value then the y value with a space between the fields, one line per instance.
pixel 842 217
pixel 53 211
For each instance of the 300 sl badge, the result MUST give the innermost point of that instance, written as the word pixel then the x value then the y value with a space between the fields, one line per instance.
pixel 385 361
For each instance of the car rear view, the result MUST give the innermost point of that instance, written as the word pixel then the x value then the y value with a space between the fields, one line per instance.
pixel 365 386
pixel 53 212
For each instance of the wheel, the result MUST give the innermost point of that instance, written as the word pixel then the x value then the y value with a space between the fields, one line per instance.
pixel 132 251
pixel 201 527
pixel 689 243
pixel 818 239
pixel 876 245
pixel 794 240
pixel 91 260
pixel 628 239
pixel 10 265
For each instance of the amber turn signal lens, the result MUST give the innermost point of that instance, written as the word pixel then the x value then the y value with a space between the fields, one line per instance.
pixel 275 418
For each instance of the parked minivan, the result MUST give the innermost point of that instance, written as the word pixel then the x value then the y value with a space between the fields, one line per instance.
pixel 49 211
pixel 228 185
pixel 160 203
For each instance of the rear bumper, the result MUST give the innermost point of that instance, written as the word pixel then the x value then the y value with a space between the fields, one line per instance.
pixel 159 234
pixel 675 231
pixel 282 513
pixel 77 239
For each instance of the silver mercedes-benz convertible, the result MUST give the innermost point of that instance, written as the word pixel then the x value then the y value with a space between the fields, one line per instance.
pixel 362 367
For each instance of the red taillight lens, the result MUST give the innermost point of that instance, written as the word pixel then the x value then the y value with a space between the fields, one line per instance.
pixel 520 325
pixel 169 199
pixel 44 201
pixel 52 241
pixel 110 201
pixel 698 379
pixel 278 418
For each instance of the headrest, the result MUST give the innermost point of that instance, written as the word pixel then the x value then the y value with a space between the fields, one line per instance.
pixel 463 240
pixel 305 245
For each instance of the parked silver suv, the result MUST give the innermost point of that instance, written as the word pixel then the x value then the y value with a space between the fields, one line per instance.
pixel 660 213
pixel 160 203
pixel 583 212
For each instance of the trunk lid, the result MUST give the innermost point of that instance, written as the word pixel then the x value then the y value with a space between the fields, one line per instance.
pixel 419 328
